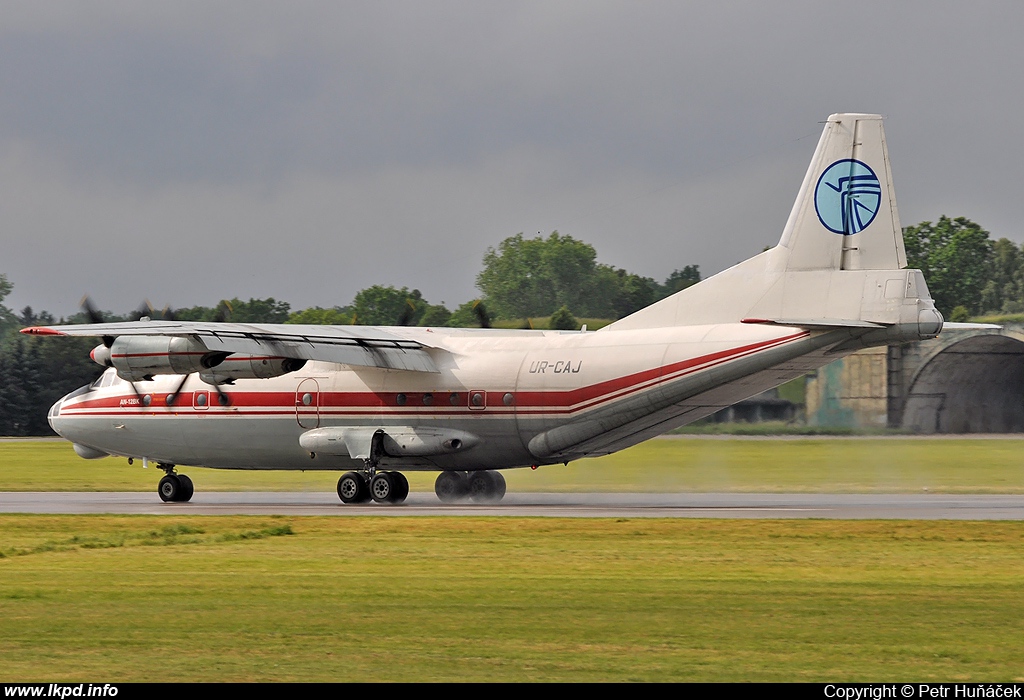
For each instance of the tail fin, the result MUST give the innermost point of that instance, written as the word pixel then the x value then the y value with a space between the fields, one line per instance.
pixel 840 259
pixel 844 217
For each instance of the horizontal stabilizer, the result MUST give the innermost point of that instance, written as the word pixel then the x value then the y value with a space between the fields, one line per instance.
pixel 971 326
pixel 815 323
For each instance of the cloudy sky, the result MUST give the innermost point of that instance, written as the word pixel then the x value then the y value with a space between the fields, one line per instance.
pixel 186 152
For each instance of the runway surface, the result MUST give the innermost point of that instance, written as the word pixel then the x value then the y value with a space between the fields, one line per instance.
pixel 562 505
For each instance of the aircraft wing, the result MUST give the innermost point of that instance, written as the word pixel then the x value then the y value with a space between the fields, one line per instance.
pixel 368 346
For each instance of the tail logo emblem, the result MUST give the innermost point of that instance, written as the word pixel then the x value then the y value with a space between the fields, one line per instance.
pixel 847 197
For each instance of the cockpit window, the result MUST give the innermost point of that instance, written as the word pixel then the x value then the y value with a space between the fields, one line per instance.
pixel 108 378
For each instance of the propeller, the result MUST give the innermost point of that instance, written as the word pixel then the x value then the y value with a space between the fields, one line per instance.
pixel 407 313
pixel 173 396
pixel 223 312
pixel 223 398
pixel 95 316
pixel 145 310
pixel 221 315
pixel 481 314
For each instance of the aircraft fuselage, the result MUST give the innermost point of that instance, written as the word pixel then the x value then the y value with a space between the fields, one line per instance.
pixel 528 397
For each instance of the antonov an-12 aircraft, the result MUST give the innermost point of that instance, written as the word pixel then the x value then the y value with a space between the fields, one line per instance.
pixel 373 402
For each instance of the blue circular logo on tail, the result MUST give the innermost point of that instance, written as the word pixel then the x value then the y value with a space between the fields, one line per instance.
pixel 847 197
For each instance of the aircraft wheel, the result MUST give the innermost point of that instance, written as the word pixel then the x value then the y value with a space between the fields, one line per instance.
pixel 352 488
pixel 187 488
pixel 486 486
pixel 401 487
pixel 499 486
pixel 169 488
pixel 450 486
pixel 382 487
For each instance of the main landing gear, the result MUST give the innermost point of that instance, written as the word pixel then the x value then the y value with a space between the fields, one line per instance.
pixel 485 486
pixel 382 487
pixel 366 484
pixel 174 487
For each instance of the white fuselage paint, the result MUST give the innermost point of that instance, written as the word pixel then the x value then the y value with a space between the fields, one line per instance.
pixel 531 397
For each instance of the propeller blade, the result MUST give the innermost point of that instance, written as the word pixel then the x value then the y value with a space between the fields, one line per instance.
pixel 173 396
pixel 481 314
pixel 138 394
pixel 90 310
pixel 223 311
pixel 145 310
pixel 222 397
pixel 407 313
pixel 95 316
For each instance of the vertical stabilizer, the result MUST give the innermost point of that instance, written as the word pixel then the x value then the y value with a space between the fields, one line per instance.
pixel 840 260
pixel 845 216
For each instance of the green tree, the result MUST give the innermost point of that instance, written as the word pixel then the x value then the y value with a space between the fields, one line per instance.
pixel 1004 291
pixel 387 306
pixel 534 276
pixel 527 277
pixel 235 310
pixel 681 279
pixel 563 320
pixel 466 316
pixel 19 391
pixel 267 310
pixel 435 315
pixel 7 318
pixel 955 256
pixel 317 316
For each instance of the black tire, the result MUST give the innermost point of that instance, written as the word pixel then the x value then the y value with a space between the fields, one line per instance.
pixel 352 488
pixel 187 488
pixel 169 488
pixel 486 486
pixel 451 487
pixel 401 487
pixel 382 487
pixel 499 486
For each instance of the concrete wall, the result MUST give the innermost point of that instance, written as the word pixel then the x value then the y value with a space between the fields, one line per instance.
pixel 849 393
pixel 961 382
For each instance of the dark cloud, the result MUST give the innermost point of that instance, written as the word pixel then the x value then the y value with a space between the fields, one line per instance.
pixel 305 150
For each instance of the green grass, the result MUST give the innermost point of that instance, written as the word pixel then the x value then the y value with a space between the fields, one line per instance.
pixel 233 598
pixel 783 428
pixel 681 464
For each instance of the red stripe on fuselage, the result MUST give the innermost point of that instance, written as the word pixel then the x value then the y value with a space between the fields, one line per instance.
pixel 556 401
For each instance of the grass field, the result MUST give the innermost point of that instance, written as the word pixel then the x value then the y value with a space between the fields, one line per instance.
pixel 237 598
pixel 681 464
pixel 122 598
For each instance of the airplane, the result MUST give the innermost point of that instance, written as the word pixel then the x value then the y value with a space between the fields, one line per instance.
pixel 374 402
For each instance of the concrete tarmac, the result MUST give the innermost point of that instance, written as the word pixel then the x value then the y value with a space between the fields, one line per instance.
pixel 571 505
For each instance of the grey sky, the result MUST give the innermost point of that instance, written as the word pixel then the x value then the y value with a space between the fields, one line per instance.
pixel 193 151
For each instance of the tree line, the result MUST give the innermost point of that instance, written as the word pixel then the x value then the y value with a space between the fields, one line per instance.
pixel 522 279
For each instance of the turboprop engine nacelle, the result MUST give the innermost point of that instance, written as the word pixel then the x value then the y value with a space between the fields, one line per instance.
pixel 137 357
pixel 240 366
